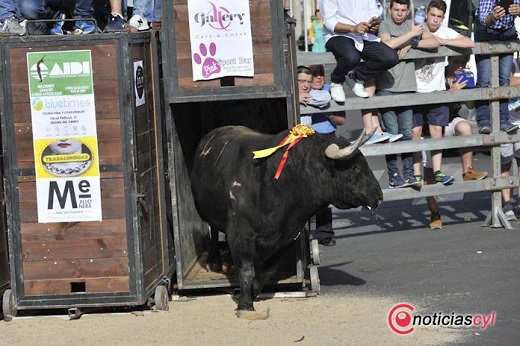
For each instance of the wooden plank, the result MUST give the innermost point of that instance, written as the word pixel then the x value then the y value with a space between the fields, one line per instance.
pixel 72 230
pixel 73 249
pixel 76 268
pixel 61 286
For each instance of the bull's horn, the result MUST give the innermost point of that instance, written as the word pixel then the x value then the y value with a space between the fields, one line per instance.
pixel 335 153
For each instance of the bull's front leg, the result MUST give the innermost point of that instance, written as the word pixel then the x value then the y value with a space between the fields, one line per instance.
pixel 246 279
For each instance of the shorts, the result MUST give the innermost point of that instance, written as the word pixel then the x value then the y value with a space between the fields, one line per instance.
pixel 508 151
pixel 449 131
pixel 433 114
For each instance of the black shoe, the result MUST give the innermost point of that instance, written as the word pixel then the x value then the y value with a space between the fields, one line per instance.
pixel 484 130
pixel 327 242
pixel 509 128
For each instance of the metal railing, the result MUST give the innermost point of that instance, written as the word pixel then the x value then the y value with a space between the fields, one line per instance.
pixel 494 93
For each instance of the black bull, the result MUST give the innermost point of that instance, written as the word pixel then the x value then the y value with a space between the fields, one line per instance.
pixel 239 196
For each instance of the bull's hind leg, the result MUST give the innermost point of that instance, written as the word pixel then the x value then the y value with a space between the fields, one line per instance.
pixel 214 262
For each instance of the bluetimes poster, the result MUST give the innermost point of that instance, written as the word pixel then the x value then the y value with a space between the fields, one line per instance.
pixel 63 117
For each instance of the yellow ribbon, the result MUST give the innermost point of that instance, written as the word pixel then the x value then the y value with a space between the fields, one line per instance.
pixel 297 132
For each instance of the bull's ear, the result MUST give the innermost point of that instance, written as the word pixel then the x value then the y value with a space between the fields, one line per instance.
pixel 335 153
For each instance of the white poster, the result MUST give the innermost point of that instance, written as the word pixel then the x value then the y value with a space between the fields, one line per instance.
pixel 63 115
pixel 221 40
pixel 139 83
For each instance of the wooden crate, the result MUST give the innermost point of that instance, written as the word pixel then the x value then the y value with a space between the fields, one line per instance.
pixel 122 259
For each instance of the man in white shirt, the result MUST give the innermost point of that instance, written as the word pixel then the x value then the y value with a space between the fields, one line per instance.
pixel 350 32
pixel 429 74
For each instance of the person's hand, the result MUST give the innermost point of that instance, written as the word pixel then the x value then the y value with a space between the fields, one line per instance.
pixel 498 12
pixel 417 29
pixel 458 84
pixel 304 98
pixel 514 10
pixel 362 28
pixel 403 51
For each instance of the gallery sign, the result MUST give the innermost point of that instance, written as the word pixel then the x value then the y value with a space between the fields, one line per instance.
pixel 221 40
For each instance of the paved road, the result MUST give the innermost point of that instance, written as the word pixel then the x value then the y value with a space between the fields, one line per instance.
pixel 464 268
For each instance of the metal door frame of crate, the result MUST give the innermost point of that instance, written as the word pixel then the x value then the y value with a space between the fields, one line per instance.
pixel 4 258
pixel 281 88
pixel 137 294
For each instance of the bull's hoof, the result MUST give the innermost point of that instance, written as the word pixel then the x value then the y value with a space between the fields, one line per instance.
pixel 253 315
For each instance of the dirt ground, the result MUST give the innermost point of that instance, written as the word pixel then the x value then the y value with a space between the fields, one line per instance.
pixel 210 320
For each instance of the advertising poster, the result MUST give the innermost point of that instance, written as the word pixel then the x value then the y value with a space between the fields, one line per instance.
pixel 63 117
pixel 221 41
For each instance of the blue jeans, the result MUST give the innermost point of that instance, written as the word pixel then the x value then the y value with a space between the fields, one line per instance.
pixel 398 120
pixel 52 9
pixel 9 8
pixel 46 9
pixel 377 57
pixel 145 9
pixel 483 34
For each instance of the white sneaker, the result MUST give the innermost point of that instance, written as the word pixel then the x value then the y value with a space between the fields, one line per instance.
pixel 357 87
pixel 392 138
pixel 378 138
pixel 139 23
pixel 337 93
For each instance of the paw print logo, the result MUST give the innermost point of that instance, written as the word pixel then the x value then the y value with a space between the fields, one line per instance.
pixel 210 66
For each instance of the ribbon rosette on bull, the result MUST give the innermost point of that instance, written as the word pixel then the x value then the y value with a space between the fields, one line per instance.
pixel 296 134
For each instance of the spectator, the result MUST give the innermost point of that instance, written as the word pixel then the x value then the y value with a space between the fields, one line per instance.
pixel 326 124
pixel 116 21
pixel 319 98
pixel 397 31
pixel 430 76
pixel 146 11
pixel 350 29
pixel 316 33
pixel 494 23
pixel 508 151
pixel 10 19
pixel 457 127
pixel 83 12
pixel 311 82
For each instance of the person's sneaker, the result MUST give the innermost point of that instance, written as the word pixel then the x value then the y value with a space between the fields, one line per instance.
pixel 84 27
pixel 357 87
pixel 57 28
pixel 442 178
pixel 392 138
pixel 509 212
pixel 484 130
pixel 471 174
pixel 508 128
pixel 415 181
pixel 395 181
pixel 435 221
pixel 12 27
pixel 377 138
pixel 115 23
pixel 337 93
pixel 139 23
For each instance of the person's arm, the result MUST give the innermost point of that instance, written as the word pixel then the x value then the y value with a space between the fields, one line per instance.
pixel 428 43
pixel 328 11
pixel 403 40
pixel 319 98
pixel 460 41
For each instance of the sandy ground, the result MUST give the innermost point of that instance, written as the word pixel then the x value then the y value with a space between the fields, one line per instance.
pixel 210 320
